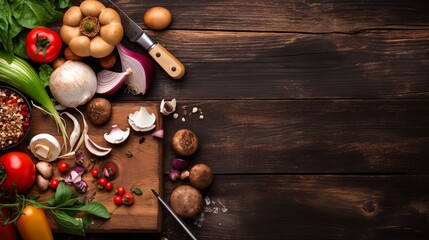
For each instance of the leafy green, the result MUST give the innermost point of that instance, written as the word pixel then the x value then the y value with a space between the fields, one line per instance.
pixel 62 194
pixel 68 224
pixel 96 209
pixel 20 15
pixel 45 71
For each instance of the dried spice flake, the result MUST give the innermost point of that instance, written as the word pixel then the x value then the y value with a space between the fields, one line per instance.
pixel 129 154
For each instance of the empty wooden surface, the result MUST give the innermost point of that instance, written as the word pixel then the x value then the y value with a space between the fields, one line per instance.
pixel 315 116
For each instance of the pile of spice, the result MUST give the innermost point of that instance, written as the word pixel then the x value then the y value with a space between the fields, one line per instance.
pixel 14 117
pixel 185 112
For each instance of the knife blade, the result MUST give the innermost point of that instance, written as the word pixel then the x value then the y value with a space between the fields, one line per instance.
pixel 178 219
pixel 171 65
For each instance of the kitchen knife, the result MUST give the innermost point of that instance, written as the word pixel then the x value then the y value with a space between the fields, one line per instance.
pixel 162 56
pixel 178 219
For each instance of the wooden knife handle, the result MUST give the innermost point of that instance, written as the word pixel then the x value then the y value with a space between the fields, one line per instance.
pixel 167 61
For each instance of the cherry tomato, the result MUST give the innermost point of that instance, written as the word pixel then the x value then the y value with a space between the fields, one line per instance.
pixel 109 186
pixel 16 168
pixel 54 183
pixel 63 167
pixel 128 199
pixel 101 183
pixel 43 45
pixel 117 200
pixel 120 191
pixel 95 172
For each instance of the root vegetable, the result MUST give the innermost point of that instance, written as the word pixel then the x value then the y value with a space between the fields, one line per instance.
pixel 185 142
pixel 108 61
pixel 73 83
pixel 186 201
pixel 157 18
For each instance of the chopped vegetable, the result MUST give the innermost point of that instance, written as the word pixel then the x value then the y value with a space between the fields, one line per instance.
pixel 173 174
pixel 45 147
pixel 179 164
pixel 142 67
pixel 117 135
pixel 167 107
pixel 109 82
pixel 158 133
pixel 22 76
pixel 73 83
pixel 142 120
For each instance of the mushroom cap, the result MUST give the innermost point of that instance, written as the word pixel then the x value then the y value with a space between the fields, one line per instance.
pixel 185 142
pixel 186 201
pixel 201 176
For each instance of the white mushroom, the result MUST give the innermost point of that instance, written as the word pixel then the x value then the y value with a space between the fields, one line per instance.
pixel 116 135
pixel 167 107
pixel 45 147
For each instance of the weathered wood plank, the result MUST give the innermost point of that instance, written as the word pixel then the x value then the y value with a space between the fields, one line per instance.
pixel 307 136
pixel 232 65
pixel 307 207
pixel 287 16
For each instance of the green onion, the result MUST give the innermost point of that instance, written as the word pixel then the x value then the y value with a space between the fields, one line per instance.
pixel 22 76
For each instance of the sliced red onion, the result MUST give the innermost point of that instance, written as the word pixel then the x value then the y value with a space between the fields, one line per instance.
pixel 173 174
pixel 81 186
pixel 109 82
pixel 142 67
pixel 179 164
pixel 80 156
pixel 158 133
pixel 79 170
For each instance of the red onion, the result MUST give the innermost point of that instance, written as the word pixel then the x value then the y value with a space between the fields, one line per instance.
pixel 173 174
pixel 109 82
pixel 179 164
pixel 142 67
pixel 158 133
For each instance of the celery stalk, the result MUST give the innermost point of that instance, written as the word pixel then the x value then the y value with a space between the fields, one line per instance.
pixel 22 76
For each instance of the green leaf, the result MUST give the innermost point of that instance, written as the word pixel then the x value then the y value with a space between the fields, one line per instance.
pixel 68 224
pixel 96 209
pixel 45 71
pixel 19 44
pixel 63 194
pixel 34 13
pixel 137 191
pixel 64 4
pixel 87 221
pixel 69 202
pixel 35 203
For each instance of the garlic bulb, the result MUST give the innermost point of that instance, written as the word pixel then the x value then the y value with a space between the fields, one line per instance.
pixel 73 83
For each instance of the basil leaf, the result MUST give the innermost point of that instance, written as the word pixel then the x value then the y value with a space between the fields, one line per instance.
pixel 35 203
pixel 68 224
pixel 96 209
pixel 19 44
pixel 45 71
pixel 87 221
pixel 63 194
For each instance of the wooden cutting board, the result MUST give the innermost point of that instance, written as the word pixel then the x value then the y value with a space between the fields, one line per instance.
pixel 142 169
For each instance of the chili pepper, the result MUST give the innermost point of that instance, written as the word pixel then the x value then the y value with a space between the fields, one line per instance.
pixel 33 224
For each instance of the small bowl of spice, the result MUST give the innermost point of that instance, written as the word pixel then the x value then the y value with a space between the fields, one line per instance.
pixel 15 117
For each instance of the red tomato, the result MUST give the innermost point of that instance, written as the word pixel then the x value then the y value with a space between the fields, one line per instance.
pixel 120 191
pixel 63 167
pixel 95 172
pixel 117 200
pixel 109 186
pixel 101 183
pixel 7 232
pixel 16 168
pixel 128 199
pixel 43 45
pixel 54 183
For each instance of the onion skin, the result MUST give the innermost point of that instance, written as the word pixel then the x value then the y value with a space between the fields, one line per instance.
pixel 142 66
pixel 73 83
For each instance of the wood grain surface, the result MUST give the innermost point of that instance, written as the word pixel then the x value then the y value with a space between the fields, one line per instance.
pixel 315 116
pixel 143 169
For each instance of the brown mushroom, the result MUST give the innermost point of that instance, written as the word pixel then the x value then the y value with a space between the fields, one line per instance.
pixel 185 142
pixel 186 201
pixel 99 110
pixel 200 176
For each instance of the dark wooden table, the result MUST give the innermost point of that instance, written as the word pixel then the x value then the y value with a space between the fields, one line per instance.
pixel 315 116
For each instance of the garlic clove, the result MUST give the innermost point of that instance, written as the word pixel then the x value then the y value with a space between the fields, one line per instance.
pixel 94 148
pixel 168 107
pixel 42 183
pixel 142 120
pixel 116 135
pixel 45 169
pixel 140 129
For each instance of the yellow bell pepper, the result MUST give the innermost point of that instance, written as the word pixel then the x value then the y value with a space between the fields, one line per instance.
pixel 33 224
